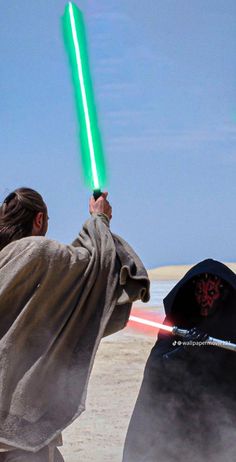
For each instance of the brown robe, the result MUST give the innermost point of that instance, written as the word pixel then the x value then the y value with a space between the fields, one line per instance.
pixel 57 301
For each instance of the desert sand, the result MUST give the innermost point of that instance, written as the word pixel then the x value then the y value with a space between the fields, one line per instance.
pixel 98 434
pixel 176 272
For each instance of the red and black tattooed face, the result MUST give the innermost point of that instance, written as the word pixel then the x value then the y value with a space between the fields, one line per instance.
pixel 207 293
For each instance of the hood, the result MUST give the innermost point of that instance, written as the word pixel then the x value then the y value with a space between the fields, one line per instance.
pixel 181 307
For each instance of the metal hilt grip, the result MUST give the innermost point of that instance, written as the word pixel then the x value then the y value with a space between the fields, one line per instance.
pixel 97 193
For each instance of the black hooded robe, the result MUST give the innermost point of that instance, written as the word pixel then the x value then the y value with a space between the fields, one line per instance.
pixel 186 407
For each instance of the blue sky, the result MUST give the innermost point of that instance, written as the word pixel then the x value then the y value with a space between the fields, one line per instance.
pixel 164 78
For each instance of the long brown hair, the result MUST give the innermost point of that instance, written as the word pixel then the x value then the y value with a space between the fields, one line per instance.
pixel 17 214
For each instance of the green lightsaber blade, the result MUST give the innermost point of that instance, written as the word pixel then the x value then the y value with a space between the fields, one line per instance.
pixel 93 161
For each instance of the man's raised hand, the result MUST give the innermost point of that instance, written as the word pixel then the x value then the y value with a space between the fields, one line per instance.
pixel 101 205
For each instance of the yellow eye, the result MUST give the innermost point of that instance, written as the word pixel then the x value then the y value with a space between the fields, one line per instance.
pixel 211 292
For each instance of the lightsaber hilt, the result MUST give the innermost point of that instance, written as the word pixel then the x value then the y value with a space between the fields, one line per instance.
pixel 210 341
pixel 180 332
pixel 97 193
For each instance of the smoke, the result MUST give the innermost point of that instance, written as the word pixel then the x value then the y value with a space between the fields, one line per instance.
pixel 186 409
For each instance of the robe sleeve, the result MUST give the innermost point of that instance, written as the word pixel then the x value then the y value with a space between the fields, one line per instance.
pixel 133 282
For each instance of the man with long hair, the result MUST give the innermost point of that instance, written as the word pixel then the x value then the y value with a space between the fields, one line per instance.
pixel 56 303
pixel 22 214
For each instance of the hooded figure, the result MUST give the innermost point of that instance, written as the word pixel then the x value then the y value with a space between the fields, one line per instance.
pixel 186 408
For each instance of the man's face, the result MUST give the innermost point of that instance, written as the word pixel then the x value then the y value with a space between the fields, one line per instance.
pixel 207 293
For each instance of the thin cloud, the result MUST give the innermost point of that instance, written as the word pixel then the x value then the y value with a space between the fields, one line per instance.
pixel 167 140
pixel 127 115
pixel 111 60
pixel 109 16
pixel 115 90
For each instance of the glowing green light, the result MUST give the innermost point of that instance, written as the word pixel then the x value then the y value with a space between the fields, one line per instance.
pixel 90 138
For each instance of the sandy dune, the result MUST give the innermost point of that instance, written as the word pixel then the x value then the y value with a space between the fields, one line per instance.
pixel 176 272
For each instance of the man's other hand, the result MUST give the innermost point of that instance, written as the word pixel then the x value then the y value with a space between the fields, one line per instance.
pixel 101 205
